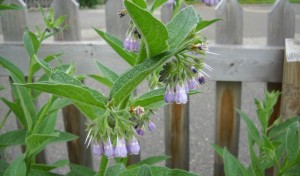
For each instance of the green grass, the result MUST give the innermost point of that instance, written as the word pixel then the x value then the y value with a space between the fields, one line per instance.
pixel 263 1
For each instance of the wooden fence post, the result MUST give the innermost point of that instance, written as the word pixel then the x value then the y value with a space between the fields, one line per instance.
pixel 176 124
pixel 290 103
pixel 228 94
pixel 118 27
pixel 74 121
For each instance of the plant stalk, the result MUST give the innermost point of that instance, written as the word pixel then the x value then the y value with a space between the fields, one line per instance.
pixel 103 166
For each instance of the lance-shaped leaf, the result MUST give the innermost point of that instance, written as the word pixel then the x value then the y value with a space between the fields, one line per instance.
pixel 12 138
pixel 49 167
pixel 232 166
pixel 117 45
pixel 149 161
pixel 73 92
pixel 12 69
pixel 156 4
pixel 251 128
pixel 292 141
pixel 203 24
pixel 101 80
pixel 127 82
pixel 89 111
pixel 31 43
pixel 181 26
pixel 140 3
pixel 17 109
pixel 108 73
pixel 153 31
pixel 17 167
pixel 10 7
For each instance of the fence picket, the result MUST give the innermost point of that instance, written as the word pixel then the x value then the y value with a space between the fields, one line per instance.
pixel 228 94
pixel 74 121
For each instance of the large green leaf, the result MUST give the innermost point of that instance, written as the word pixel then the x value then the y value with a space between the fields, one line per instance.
pixel 181 26
pixel 157 3
pixel 232 166
pixel 115 169
pixel 17 167
pixel 150 161
pixel 73 92
pixel 145 171
pixel 101 80
pixel 30 43
pixel 89 111
pixel 62 77
pixel 13 70
pixel 78 170
pixel 37 66
pixel 49 167
pixel 10 7
pixel 108 73
pixel 282 127
pixel 251 128
pixel 128 81
pixel 17 109
pixel 203 24
pixel 3 166
pixel 12 138
pixel 153 31
pixel 141 3
pixel 117 45
pixel 292 141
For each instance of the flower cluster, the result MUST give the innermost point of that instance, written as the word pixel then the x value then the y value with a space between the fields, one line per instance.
pixel 183 74
pixel 132 40
pixel 118 138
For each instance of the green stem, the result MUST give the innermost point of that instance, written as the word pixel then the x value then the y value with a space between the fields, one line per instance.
pixel 43 114
pixel 103 166
pixel 5 118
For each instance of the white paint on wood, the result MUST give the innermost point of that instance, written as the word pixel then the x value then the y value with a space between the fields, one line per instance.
pixel 292 50
pixel 235 63
pixel 14 22
pixel 281 23
pixel 230 29
pixel 70 8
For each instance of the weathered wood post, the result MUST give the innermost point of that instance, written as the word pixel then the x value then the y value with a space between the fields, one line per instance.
pixel 176 124
pixel 280 25
pixel 74 121
pixel 118 26
pixel 290 101
pixel 228 94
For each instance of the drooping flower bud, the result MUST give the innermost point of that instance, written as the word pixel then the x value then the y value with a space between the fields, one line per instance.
pixel 120 149
pixel 97 149
pixel 169 95
pixel 109 149
pixel 133 146
pixel 151 126
pixel 180 94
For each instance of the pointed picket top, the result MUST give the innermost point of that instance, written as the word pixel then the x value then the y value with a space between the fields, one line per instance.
pixel 14 22
pixel 230 29
pixel 69 8
pixel 281 23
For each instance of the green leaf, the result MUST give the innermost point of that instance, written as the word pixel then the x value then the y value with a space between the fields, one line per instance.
pixel 157 3
pixel 89 111
pixel 251 128
pixel 115 169
pixel 78 170
pixel 62 77
pixel 232 166
pixel 12 138
pixel 58 104
pixel 29 43
pixel 203 24
pixel 149 161
pixel 44 167
pixel 59 21
pixel 153 32
pixel 17 167
pixel 18 111
pixel 10 7
pixel 141 3
pixel 128 81
pixel 108 73
pixel 282 127
pixel 181 26
pixel 292 141
pixel 34 172
pixel 13 70
pixel 73 92
pixel 101 80
pixel 43 64
pixel 145 171
pixel 37 66
pixel 3 166
pixel 117 45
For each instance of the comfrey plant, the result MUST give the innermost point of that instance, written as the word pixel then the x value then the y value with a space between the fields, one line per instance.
pixel 275 146
pixel 173 54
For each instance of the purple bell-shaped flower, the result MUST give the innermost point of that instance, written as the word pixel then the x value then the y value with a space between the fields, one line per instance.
pixel 120 149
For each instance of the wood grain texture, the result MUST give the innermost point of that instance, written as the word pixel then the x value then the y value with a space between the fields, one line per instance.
pixel 14 22
pixel 177 135
pixel 74 121
pixel 227 121
pixel 230 29
pixel 281 23
pixel 235 63
pixel 69 8
pixel 290 104
pixel 114 24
